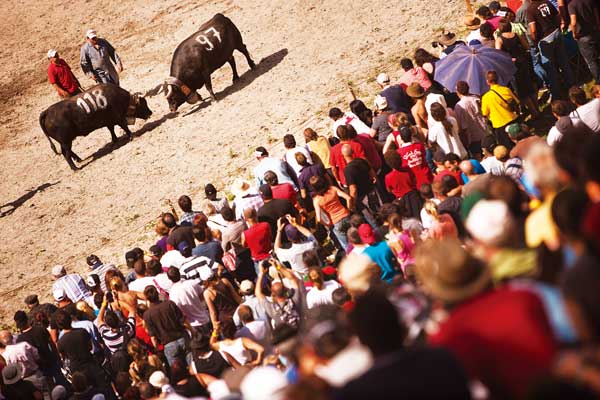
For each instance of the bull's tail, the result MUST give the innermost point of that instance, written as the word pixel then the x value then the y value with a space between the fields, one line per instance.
pixel 43 126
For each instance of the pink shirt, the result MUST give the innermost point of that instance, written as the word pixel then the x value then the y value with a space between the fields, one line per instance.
pixel 416 74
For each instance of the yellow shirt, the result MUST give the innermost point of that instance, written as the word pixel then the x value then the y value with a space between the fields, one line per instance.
pixel 321 148
pixel 540 227
pixel 496 109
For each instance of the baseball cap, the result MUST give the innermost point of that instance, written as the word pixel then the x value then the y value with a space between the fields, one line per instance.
pixel 91 33
pixel 293 233
pixel 93 280
pixel 513 130
pixel 366 234
pixel 490 222
pixel 52 53
pixel 264 383
pixel 383 78
pixel 59 294
pixel 158 379
pixel 172 258
pixel 380 102
pixel 31 299
pixel 247 286
pixel 133 255
pixel 205 273
pixel 260 151
pixel 210 189
pixel 58 270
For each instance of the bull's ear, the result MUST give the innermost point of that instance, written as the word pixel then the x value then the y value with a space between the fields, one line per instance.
pixel 156 90
pixel 193 98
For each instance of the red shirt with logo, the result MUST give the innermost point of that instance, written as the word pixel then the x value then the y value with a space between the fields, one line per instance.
pixel 414 157
pixel 60 73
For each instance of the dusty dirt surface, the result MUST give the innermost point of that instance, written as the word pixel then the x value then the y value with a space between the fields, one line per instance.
pixel 307 52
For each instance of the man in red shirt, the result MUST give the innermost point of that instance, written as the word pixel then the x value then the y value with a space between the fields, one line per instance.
pixel 414 157
pixel 61 76
pixel 337 160
pixel 401 180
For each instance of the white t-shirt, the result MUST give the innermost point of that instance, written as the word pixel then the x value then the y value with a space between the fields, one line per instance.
pixel 350 118
pixel 290 158
pixel 255 330
pixel 589 113
pixel 187 295
pixel 316 297
pixel 448 141
pixel 293 255
pixel 553 136
pixel 490 163
pixel 140 283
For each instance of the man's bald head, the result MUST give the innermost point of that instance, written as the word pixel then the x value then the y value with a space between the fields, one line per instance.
pixel 347 151
pixel 5 338
pixel 466 167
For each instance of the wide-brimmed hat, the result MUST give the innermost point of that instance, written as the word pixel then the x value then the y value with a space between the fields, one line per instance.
pixel 448 272
pixel 472 23
pixel 241 187
pixel 12 373
pixel 415 90
pixel 447 38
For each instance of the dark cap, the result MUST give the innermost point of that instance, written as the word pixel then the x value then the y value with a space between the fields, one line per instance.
pixel 156 251
pixel 133 255
pixel 262 151
pixel 91 260
pixel 20 317
pixel 293 234
pixel 210 189
pixel 489 143
pixel 265 191
pixel 31 299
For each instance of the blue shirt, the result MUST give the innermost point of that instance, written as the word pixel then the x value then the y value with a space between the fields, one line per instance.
pixel 212 250
pixel 381 254
pixel 477 169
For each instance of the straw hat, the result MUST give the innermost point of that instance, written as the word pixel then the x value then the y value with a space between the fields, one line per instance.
pixel 472 23
pixel 447 38
pixel 241 187
pixel 12 373
pixel 415 90
pixel 448 272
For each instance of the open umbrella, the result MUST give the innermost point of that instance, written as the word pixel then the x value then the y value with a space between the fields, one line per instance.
pixel 470 64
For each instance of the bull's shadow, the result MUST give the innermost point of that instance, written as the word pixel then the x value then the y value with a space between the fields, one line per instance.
pixel 10 207
pixel 122 141
pixel 264 66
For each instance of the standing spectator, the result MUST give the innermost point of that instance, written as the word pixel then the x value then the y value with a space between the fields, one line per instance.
pixel 329 210
pixel 498 104
pixel 246 196
pixel 418 110
pixel 72 284
pixel 337 160
pixel 114 332
pixel 188 297
pixel 15 387
pixel 369 146
pixel 473 126
pixel 165 324
pixel 255 330
pixel 448 42
pixel 211 195
pixel 380 128
pixel 207 247
pixel 444 132
pixel 401 180
pixel 585 25
pixel 486 31
pixel 25 354
pixel 379 252
pixel 257 237
pixel 361 111
pixel 472 23
pixel 267 163
pixel 100 269
pixel 413 74
pixel 413 155
pixel 587 112
pixel 393 94
pixel 273 209
pixel 319 146
pixel 187 218
pixel 302 240
pixel 232 233
pixel 61 77
pixel 98 59
pixel 33 305
pixel 289 142
pixel 489 162
pixel 251 301
pixel 544 27
pixel 340 118
pixel 517 47
pixel 487 16
pixel 180 237
pixel 308 171
pixel 284 190
pixel 321 291
pixel 221 299
pixel 361 180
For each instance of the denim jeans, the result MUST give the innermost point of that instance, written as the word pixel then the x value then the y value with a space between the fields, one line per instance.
pixel 176 349
pixel 589 47
pixel 538 70
pixel 553 57
pixel 340 235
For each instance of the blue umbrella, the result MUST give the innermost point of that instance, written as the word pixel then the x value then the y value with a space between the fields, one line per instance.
pixel 470 64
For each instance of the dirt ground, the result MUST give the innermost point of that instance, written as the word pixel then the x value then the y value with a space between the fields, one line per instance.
pixel 308 52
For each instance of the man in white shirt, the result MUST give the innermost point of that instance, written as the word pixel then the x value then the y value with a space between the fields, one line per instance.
pixel 142 280
pixel 348 118
pixel 188 296
pixel 266 163
pixel 302 240
pixel 289 142
pixel 250 300
pixel 321 291
pixel 587 111
pixel 256 330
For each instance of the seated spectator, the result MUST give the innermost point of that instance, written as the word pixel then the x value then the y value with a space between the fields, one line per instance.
pixel 268 163
pixel 413 74
pixel 245 197
pixel 394 95
pixel 211 195
pixel 340 118
pixel 185 203
pixel 291 148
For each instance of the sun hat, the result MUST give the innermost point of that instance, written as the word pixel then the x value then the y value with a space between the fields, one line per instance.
pixel 90 34
pixel 380 102
pixel 415 90
pixel 52 53
pixel 158 379
pixel 472 23
pixel 12 373
pixel 58 271
pixel 366 234
pixel 241 187
pixel 31 299
pixel 59 294
pixel 264 383
pixel 490 222
pixel 447 38
pixel 448 272
pixel 383 78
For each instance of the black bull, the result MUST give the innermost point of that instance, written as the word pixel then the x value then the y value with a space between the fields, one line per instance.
pixel 103 105
pixel 197 57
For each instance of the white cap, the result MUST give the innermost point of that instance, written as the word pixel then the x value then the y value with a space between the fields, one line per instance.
pixel 172 258
pixel 205 273
pixel 59 294
pixel 264 383
pixel 247 286
pixel 158 379
pixel 490 222
pixel 383 78
pixel 52 53
pixel 58 270
pixel 90 34
pixel 380 102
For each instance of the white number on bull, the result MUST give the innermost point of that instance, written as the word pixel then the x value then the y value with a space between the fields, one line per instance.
pixel 204 40
pixel 98 101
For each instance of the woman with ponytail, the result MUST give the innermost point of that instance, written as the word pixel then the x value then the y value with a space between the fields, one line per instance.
pixel 444 132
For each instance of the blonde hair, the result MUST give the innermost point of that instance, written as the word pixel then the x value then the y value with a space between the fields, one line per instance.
pixel 431 208
pixel 161 229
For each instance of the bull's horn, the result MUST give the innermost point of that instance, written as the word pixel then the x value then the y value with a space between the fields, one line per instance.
pixel 169 90
pixel 193 98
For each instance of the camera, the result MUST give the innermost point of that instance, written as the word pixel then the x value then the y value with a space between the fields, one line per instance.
pixel 435 45
pixel 109 297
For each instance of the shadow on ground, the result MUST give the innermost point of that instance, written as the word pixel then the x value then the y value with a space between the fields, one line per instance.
pixel 11 207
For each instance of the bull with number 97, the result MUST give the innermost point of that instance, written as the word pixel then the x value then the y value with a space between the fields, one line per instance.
pixel 102 106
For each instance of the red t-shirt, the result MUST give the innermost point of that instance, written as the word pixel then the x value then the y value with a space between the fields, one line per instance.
pixel 514 5
pixel 414 157
pixel 400 182
pixel 285 191
pixel 502 338
pixel 60 73
pixel 337 161
pixel 455 174
pixel 370 149
pixel 258 240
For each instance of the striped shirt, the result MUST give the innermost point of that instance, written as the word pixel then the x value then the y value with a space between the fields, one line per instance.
pixel 114 340
pixel 190 269
pixel 101 271
pixel 74 287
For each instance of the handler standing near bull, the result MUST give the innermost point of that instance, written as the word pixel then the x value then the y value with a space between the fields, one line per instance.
pixel 61 76
pixel 98 59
